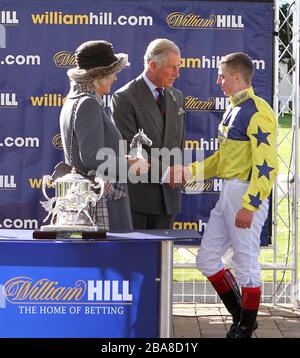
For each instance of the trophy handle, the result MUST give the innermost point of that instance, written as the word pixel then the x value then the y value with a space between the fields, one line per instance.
pixel 99 185
pixel 47 179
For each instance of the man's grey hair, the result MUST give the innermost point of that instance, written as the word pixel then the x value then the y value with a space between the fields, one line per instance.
pixel 158 49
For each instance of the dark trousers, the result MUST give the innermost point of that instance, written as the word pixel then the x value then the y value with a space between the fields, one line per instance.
pixel 143 221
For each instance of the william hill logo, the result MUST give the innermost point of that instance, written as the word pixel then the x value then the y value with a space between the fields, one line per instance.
pixel 211 104
pixel 67 59
pixel 48 100
pixel 24 290
pixel 8 100
pixel 64 59
pixel 200 62
pixel 190 225
pixel 7 182
pixel 194 21
pixel 56 141
pixel 202 144
pixel 212 62
pixel 206 186
pixel 8 18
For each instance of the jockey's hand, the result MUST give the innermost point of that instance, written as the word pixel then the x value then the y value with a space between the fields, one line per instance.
pixel 244 218
pixel 138 166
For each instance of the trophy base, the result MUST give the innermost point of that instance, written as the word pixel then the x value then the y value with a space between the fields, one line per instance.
pixel 54 232
pixel 69 228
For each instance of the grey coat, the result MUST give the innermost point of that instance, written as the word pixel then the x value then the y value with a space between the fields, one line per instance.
pixel 133 108
pixel 94 130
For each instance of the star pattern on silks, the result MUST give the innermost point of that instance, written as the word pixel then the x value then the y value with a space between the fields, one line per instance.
pixel 255 200
pixel 261 137
pixel 264 170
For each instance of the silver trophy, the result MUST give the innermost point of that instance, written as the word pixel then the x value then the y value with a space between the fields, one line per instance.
pixel 137 143
pixel 75 199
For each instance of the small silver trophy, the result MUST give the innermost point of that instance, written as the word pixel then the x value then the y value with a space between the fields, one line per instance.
pixel 70 209
pixel 137 143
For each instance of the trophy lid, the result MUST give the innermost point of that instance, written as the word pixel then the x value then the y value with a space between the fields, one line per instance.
pixel 72 177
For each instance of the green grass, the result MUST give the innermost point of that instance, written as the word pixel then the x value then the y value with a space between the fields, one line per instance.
pixel 284 210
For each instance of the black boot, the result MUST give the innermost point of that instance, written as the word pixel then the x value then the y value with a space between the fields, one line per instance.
pixel 228 290
pixel 247 324
pixel 231 303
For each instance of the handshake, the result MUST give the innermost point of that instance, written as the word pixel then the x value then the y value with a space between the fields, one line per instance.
pixel 137 166
pixel 177 176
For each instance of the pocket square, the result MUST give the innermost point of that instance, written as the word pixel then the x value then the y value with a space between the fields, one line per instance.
pixel 180 111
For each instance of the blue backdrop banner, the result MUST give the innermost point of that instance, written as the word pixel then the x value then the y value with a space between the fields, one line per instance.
pixel 37 44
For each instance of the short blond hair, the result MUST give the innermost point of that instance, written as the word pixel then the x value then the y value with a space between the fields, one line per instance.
pixel 239 62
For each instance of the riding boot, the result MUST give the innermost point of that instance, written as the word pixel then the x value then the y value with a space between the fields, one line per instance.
pixel 250 304
pixel 228 290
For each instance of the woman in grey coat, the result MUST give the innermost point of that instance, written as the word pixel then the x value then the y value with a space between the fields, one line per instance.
pixel 90 139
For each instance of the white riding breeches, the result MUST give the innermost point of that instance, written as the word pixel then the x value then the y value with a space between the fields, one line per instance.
pixel 221 233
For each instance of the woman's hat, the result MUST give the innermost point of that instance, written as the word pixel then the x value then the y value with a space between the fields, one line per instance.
pixel 95 59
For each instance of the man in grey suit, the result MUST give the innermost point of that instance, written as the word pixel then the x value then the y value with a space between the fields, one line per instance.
pixel 149 102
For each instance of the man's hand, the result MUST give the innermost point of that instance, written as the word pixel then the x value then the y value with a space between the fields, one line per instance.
pixel 244 218
pixel 178 175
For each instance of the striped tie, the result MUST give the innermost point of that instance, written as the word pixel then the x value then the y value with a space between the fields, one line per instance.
pixel 161 101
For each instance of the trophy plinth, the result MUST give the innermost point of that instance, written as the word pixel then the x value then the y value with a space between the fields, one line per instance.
pixel 71 209
pixel 49 233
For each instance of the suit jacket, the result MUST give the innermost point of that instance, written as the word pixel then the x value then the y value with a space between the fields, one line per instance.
pixel 134 107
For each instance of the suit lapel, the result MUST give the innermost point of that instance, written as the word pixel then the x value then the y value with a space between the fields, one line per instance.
pixel 147 101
